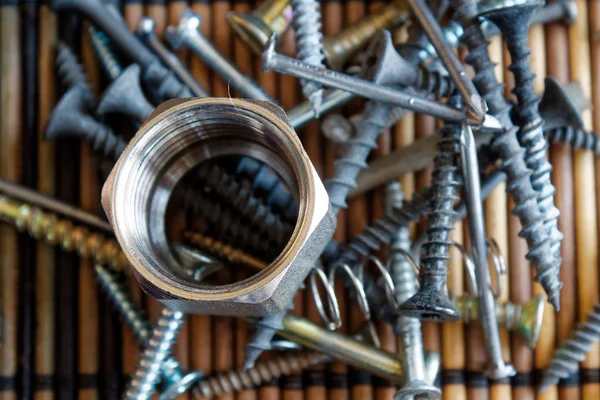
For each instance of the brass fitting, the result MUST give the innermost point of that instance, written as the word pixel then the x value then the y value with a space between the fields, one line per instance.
pixel 274 17
pixel 55 231
pixel 180 135
pixel 525 319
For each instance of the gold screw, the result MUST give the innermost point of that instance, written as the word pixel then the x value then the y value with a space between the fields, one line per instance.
pixel 274 16
pixel 525 319
pixel 55 231
pixel 224 250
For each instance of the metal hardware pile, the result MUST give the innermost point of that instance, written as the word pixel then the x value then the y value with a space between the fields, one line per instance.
pixel 212 189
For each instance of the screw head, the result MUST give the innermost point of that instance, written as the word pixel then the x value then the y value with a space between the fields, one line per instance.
pixel 188 25
pixel 430 304
pixel 500 371
pixel 529 325
pixel 146 27
pixel 254 32
pixel 177 388
pixel 417 389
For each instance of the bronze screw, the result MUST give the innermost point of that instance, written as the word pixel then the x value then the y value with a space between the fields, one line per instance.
pixel 223 250
pixel 274 16
pixel 55 231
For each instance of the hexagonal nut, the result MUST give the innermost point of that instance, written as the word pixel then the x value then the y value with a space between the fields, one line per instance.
pixel 179 135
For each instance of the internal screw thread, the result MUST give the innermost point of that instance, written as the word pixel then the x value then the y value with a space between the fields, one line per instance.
pixel 566 359
pixel 307 25
pixel 158 350
pixel 577 138
pixel 346 168
pixel 105 55
pixel 54 231
pixel 261 373
pixel 519 186
pixel 514 22
pixel 340 47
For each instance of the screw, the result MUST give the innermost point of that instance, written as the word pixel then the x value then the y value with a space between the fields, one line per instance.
pixel 177 382
pixel 577 138
pixel 372 91
pixel 525 319
pixel 255 28
pixel 68 119
pixel 54 231
pixel 125 96
pixel 566 359
pixel 408 328
pixel 307 26
pixel 155 74
pixel 158 351
pixel 186 32
pixel 513 21
pixel 105 55
pixel 146 32
pixel 520 186
pixel 557 108
pixel 265 329
pixel 337 128
pixel 72 74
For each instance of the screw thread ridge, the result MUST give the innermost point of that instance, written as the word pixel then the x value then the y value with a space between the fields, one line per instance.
pixel 106 57
pixel 147 374
pixel 566 359
pixel 261 373
pixel 71 238
pixel 307 25
pixel 68 67
pixel 105 141
pixel 346 168
pixel 577 138
pixel 519 182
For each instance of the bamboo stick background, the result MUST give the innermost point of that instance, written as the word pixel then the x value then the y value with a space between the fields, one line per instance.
pixel 80 351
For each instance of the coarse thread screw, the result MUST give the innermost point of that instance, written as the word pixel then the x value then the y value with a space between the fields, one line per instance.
pixel 264 330
pixel 54 231
pixel 176 381
pixel 408 328
pixel 261 373
pixel 506 145
pixel 307 25
pixel 577 138
pixel 431 301
pixel 566 359
pixel 158 350
pixel 71 71
pixel 513 21
pixel 368 129
pixel 105 55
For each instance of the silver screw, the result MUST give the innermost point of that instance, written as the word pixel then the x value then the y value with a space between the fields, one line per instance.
pixel 146 32
pixel 186 32
pixel 408 328
pixel 177 382
pixel 307 24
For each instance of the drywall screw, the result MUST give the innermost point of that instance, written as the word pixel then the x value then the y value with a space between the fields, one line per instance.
pixel 307 26
pixel 72 238
pixel 545 261
pixel 557 108
pixel 372 91
pixel 337 128
pixel 155 74
pixel 524 319
pixel 567 358
pixel 498 368
pixel 72 74
pixel 265 329
pixel 146 32
pixel 69 119
pixel 125 96
pixel 186 32
pixel 474 103
pixel 225 251
pixel 170 369
pixel 577 138
pixel 513 21
pixel 105 55
pixel 255 28
pixel 384 61
pixel 157 351
pixel 408 328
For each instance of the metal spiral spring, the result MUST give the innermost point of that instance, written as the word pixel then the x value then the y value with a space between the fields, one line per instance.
pixel 261 373
pixel 577 138
pixel 157 351
pixel 520 185
pixel 347 167
pixel 249 222
pixel 307 25
pixel 566 359
pixel 71 238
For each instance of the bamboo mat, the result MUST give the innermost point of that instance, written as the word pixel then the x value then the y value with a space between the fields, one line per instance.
pixel 62 340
